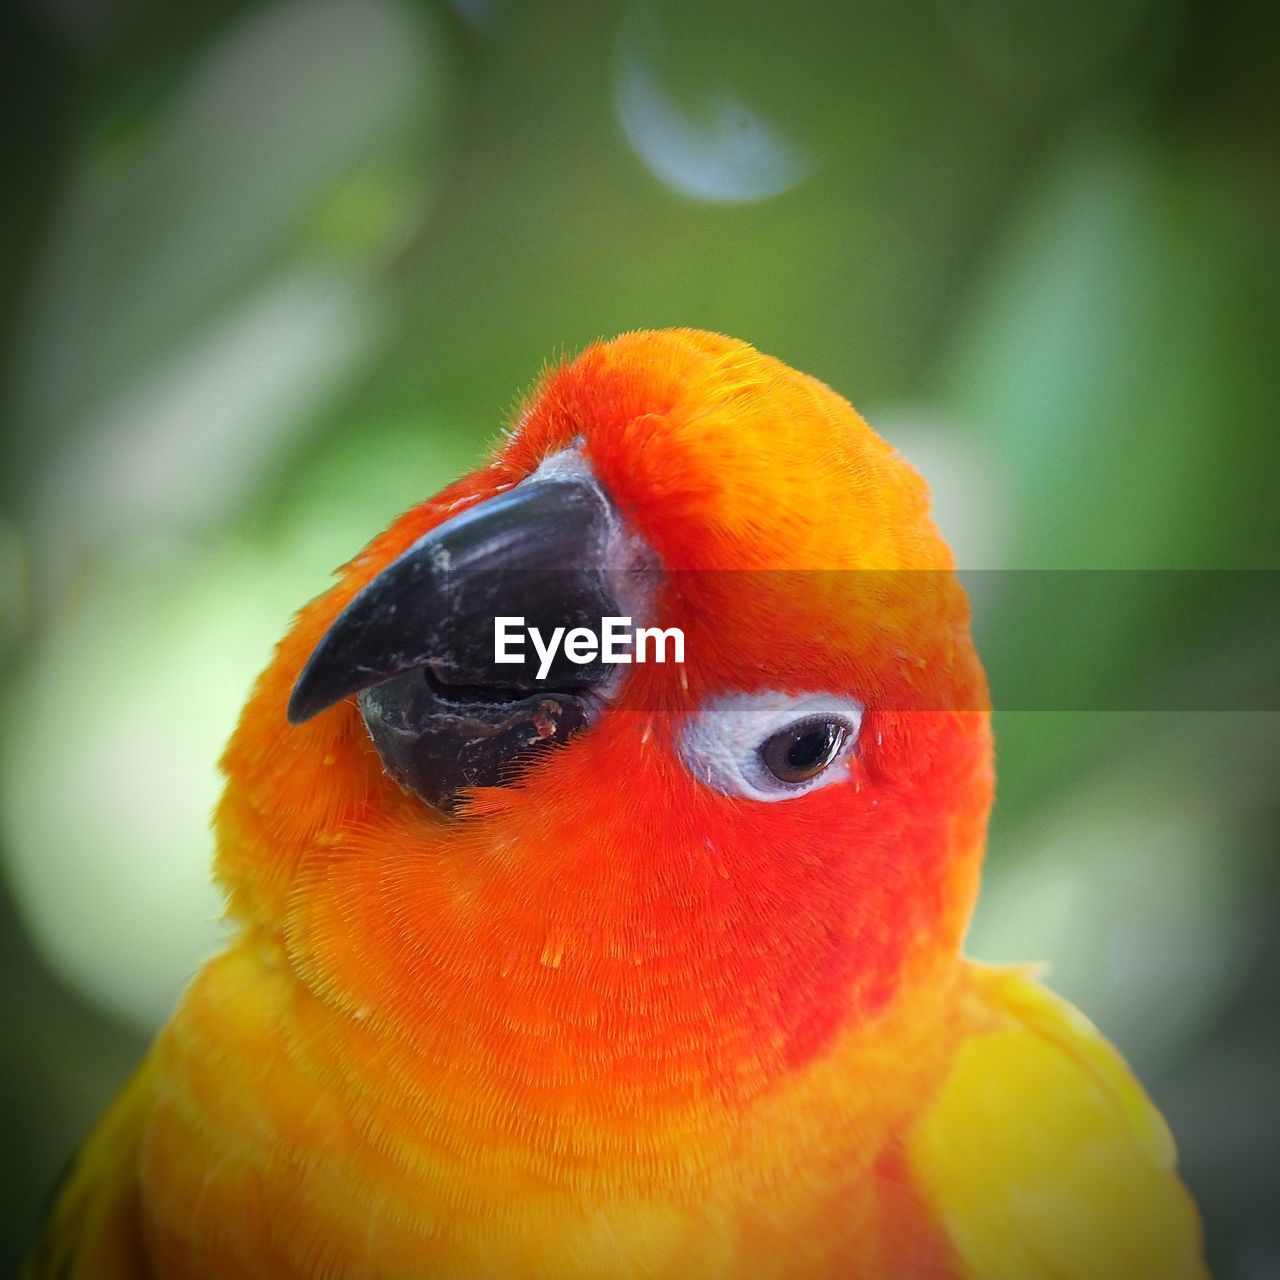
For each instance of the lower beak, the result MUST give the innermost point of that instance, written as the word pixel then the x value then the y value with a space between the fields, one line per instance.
pixel 417 644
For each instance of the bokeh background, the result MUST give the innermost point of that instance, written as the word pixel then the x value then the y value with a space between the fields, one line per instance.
pixel 274 271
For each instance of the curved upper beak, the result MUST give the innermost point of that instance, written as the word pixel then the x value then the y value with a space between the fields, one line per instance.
pixel 538 551
pixel 418 641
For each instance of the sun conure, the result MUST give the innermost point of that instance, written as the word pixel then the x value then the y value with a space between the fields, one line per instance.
pixel 594 968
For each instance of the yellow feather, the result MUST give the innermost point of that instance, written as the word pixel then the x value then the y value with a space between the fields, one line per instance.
pixel 1043 1157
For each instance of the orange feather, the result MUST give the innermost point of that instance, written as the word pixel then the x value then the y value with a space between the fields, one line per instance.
pixel 608 1021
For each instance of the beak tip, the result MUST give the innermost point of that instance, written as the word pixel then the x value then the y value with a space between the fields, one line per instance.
pixel 325 679
pixel 303 703
pixel 297 712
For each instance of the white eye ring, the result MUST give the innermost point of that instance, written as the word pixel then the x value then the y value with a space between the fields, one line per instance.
pixel 724 745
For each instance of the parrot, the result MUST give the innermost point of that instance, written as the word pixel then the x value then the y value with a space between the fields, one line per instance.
pixel 593 963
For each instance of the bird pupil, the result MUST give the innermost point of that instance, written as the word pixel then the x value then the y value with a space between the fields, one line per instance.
pixel 811 748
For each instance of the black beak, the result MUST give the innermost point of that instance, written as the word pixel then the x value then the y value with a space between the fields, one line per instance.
pixel 418 642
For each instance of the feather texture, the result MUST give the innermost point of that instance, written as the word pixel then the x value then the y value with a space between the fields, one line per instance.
pixel 609 1021
pixel 1042 1155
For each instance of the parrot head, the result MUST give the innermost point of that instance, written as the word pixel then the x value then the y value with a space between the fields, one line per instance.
pixel 661 877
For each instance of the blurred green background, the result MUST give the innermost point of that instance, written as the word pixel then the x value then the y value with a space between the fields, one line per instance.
pixel 275 271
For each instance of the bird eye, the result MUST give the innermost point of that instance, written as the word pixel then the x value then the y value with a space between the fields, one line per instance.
pixel 769 745
pixel 801 751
